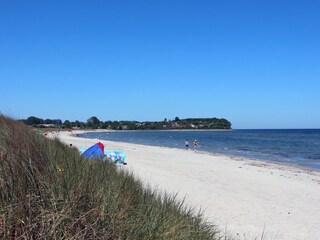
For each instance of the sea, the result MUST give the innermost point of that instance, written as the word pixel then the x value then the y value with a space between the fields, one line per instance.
pixel 289 146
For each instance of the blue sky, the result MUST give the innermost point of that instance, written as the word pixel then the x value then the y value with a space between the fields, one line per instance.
pixel 255 63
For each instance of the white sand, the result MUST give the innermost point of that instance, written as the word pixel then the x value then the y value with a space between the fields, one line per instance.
pixel 246 197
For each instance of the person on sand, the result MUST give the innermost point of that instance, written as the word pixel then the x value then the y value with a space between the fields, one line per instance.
pixel 186 143
pixel 195 144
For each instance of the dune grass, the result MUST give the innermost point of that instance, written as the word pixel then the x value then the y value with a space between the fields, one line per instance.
pixel 48 191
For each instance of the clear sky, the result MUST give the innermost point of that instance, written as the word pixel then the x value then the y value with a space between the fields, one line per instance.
pixel 255 63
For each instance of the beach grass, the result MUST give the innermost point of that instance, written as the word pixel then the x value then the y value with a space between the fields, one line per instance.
pixel 48 191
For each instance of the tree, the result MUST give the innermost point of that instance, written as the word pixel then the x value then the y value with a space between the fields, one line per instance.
pixel 67 124
pixel 177 119
pixel 34 120
pixel 93 121
pixel 52 121
pixel 77 123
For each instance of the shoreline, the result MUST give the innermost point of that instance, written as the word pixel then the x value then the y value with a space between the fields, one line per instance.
pixel 243 196
pixel 258 161
pixel 229 155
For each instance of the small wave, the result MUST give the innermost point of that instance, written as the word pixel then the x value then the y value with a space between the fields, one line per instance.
pixel 314 157
pixel 281 154
pixel 246 149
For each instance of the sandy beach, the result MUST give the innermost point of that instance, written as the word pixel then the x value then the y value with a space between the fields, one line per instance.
pixel 245 197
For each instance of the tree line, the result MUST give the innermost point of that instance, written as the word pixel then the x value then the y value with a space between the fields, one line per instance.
pixel 95 123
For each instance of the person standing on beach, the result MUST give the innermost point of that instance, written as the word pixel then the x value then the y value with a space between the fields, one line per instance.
pixel 186 143
pixel 195 144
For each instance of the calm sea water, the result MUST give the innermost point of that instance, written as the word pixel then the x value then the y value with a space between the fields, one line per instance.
pixel 297 147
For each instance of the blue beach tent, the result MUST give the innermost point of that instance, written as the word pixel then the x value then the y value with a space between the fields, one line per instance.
pixel 94 152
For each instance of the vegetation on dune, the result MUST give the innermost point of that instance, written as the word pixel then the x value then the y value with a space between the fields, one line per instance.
pixel 48 191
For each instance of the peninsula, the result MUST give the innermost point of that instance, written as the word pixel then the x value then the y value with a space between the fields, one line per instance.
pixel 95 123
